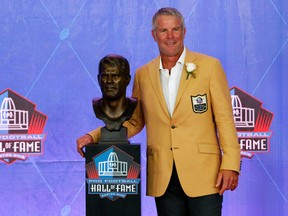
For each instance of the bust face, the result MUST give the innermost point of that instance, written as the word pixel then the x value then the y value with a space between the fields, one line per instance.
pixel 112 82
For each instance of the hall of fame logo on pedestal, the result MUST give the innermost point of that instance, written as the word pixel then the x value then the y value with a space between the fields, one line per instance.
pixel 113 174
pixel 252 123
pixel 21 128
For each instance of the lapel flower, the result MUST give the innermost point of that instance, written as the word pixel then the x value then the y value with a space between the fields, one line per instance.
pixel 190 68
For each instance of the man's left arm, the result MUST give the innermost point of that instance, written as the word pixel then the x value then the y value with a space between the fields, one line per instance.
pixel 222 108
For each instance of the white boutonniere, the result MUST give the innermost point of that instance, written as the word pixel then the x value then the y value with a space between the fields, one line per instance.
pixel 190 68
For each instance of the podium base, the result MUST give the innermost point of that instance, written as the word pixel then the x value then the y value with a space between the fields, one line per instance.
pixel 130 204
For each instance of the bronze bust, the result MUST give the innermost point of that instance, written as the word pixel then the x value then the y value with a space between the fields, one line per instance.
pixel 114 107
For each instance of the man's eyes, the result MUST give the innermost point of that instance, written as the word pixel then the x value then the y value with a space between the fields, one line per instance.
pixel 174 29
pixel 114 77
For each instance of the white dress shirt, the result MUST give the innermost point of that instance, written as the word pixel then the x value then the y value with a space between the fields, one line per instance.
pixel 170 83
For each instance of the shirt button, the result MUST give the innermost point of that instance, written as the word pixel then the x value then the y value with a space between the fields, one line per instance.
pixel 173 126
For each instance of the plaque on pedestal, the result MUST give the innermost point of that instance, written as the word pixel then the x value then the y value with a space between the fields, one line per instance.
pixel 113 180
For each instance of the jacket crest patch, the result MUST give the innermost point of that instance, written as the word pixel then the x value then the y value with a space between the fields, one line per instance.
pixel 199 103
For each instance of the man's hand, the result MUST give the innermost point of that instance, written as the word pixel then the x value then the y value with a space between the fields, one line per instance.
pixel 82 142
pixel 227 180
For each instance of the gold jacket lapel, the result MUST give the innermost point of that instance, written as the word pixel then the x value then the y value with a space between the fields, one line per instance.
pixel 154 76
pixel 189 58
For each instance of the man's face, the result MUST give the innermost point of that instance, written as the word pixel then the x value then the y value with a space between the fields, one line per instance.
pixel 169 36
pixel 112 82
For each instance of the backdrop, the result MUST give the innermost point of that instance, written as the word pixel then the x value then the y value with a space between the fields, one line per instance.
pixel 49 54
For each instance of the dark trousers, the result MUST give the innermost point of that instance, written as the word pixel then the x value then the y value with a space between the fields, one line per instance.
pixel 175 202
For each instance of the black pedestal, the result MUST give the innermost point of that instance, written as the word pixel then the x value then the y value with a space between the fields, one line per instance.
pixel 113 137
pixel 113 180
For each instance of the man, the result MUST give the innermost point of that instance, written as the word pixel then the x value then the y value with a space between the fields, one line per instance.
pixel 193 155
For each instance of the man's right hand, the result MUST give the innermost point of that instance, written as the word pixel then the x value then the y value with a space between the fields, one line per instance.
pixel 82 142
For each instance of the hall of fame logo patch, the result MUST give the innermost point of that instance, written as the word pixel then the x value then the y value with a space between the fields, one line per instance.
pixel 21 128
pixel 199 103
pixel 252 123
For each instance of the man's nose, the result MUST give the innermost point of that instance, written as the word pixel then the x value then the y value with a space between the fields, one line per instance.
pixel 170 34
pixel 109 78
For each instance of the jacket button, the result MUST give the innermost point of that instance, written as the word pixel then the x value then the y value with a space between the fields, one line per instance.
pixel 173 126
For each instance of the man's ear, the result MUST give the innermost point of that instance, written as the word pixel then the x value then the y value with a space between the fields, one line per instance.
pixel 184 32
pixel 153 35
pixel 99 79
pixel 128 79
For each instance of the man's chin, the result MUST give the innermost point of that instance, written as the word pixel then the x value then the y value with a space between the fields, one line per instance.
pixel 109 94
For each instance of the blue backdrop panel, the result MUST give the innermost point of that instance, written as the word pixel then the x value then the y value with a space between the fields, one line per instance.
pixel 49 54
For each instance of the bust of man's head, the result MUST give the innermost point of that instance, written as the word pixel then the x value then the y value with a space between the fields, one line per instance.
pixel 113 76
